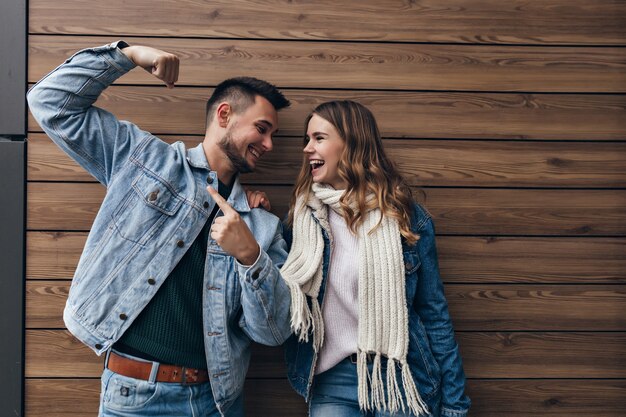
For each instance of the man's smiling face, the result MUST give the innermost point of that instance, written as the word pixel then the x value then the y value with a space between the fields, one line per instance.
pixel 249 135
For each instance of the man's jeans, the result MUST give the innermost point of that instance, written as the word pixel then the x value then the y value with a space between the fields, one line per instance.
pixel 335 394
pixel 122 396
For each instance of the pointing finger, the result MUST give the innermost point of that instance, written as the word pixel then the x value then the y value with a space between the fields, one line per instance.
pixel 220 201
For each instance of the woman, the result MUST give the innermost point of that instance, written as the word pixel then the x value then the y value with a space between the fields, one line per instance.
pixel 373 335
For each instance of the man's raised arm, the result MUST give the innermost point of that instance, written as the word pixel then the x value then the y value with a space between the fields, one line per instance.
pixel 62 103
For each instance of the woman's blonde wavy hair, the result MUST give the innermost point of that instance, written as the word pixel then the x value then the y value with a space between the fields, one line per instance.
pixel 364 166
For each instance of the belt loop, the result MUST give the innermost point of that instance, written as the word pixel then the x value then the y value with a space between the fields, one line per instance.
pixel 106 358
pixel 154 372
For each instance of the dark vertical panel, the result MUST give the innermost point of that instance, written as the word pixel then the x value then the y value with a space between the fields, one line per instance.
pixel 12 225
pixel 12 200
pixel 13 67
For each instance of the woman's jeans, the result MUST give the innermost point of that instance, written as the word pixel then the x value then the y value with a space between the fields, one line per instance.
pixel 335 394
pixel 122 396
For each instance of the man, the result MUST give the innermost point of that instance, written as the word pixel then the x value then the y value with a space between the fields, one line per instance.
pixel 176 278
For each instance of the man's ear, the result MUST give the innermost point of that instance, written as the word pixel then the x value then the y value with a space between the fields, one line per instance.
pixel 223 114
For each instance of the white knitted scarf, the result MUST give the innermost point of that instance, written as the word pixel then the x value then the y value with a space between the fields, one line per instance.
pixel 383 316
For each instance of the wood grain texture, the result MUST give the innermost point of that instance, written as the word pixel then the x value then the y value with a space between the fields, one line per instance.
pixel 555 397
pixel 462 21
pixel 543 354
pixel 473 307
pixel 485 260
pixel 479 307
pixel 73 206
pixel 53 255
pixel 365 65
pixel 56 353
pixel 78 398
pixel 422 162
pixel 399 114
pixel 518 398
pixel 505 355
pixel 45 301
pixel 462 259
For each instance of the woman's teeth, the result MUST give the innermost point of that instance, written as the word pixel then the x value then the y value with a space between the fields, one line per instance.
pixel 316 163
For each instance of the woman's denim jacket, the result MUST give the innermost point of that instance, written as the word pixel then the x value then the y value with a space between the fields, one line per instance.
pixel 155 206
pixel 433 353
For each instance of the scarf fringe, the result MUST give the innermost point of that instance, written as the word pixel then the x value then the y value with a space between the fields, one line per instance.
pixel 394 396
pixel 378 389
pixel 318 326
pixel 414 401
pixel 362 377
pixel 371 388
pixel 301 318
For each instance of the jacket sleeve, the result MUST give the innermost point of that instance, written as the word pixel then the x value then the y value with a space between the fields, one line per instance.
pixel 62 103
pixel 432 307
pixel 265 297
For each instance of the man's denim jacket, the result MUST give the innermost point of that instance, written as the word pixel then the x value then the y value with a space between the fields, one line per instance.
pixel 155 206
pixel 433 354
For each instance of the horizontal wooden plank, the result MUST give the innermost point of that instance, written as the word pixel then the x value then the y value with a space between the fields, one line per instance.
pixel 516 21
pixel 527 212
pixel 364 65
pixel 78 398
pixel 473 307
pixel 485 355
pixel 45 301
pixel 422 162
pixel 399 114
pixel 519 398
pixel 543 354
pixel 56 353
pixel 532 260
pixel 73 206
pixel 549 398
pixel 47 162
pixel 481 307
pixel 54 255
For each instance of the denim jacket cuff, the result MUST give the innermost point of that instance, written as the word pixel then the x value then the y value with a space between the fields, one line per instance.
pixel 447 412
pixel 253 274
pixel 114 56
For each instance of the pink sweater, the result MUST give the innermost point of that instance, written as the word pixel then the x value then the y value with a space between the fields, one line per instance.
pixel 340 308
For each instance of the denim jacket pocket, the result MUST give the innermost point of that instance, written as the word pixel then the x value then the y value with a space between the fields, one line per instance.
pixel 145 207
pixel 422 361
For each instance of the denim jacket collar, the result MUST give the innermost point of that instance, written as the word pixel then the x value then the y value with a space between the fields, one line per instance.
pixel 238 199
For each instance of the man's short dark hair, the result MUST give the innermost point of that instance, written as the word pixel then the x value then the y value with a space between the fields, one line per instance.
pixel 240 92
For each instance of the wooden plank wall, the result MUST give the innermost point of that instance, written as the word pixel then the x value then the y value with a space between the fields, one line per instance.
pixel 508 118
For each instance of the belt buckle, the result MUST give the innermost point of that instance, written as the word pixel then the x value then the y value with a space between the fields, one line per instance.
pixel 191 379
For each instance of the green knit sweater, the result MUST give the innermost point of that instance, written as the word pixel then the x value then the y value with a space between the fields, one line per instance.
pixel 169 330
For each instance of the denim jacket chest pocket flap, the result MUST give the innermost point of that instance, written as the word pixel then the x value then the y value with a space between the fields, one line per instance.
pixel 145 207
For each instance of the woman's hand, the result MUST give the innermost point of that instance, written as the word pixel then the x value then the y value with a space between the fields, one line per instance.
pixel 258 199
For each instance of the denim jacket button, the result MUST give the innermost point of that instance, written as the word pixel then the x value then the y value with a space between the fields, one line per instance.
pixel 98 346
pixel 408 266
pixel 180 243
pixel 205 204
pixel 123 316
pixel 153 196
pixel 151 281
pixel 255 274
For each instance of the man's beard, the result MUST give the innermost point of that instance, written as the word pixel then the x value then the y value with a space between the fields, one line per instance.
pixel 239 163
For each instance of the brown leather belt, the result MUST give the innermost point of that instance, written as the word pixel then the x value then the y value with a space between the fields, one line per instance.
pixel 166 373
